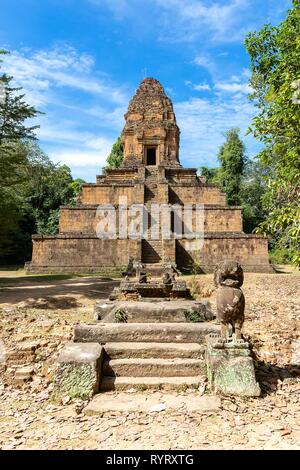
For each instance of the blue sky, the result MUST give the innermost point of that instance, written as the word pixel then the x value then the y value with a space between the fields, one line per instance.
pixel 80 61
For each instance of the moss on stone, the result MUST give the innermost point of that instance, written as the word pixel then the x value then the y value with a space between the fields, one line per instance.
pixel 75 381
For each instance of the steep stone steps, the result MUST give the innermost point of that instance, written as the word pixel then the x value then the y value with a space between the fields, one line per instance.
pixel 167 356
pixel 150 192
pixel 137 367
pixel 152 251
pixel 154 350
pixel 144 332
pixel 144 383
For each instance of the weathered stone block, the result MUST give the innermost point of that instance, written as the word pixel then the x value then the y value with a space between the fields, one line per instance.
pixel 78 371
pixel 23 375
pixel 173 311
pixel 230 368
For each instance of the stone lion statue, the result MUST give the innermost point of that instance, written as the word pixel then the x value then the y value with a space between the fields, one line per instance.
pixel 228 278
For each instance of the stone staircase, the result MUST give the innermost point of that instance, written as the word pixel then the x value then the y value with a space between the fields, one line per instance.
pixel 152 251
pixel 161 356
pixel 161 365
pixel 151 180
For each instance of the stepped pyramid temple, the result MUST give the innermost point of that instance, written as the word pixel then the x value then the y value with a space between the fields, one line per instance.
pixel 108 226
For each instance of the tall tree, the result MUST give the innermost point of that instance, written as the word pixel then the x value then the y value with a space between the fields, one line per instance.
pixel 275 57
pixel 251 195
pixel 232 160
pixel 44 188
pixel 14 112
pixel 115 158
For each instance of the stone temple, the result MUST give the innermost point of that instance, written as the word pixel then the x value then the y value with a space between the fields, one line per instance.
pixel 151 175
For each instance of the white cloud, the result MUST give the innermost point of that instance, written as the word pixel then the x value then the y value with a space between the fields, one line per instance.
pixel 202 87
pixel 233 87
pixel 191 18
pixel 205 62
pixel 203 122
pixel 42 72
pixel 80 158
pixel 119 8
pixel 198 87
pixel 72 131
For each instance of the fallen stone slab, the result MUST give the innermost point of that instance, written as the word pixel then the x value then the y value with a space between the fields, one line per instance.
pixel 153 311
pixel 156 402
pixel 144 332
pixel 78 371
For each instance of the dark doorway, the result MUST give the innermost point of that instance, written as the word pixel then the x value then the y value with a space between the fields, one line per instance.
pixel 151 156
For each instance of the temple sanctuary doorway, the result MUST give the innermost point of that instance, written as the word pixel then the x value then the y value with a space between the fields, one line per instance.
pixel 151 156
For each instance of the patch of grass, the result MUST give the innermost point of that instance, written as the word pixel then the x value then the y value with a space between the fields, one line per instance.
pixel 121 316
pixel 183 388
pixel 11 281
pixel 141 387
pixel 193 317
pixel 280 256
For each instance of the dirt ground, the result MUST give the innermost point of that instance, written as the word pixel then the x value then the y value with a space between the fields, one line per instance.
pixel 44 309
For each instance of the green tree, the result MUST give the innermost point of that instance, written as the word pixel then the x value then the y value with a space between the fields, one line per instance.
pixel 212 175
pixel 232 160
pixel 48 186
pixel 115 158
pixel 251 195
pixel 275 57
pixel 44 187
pixel 32 188
pixel 14 112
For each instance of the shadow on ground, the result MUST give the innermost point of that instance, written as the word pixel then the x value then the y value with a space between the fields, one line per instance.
pixel 38 292
pixel 269 375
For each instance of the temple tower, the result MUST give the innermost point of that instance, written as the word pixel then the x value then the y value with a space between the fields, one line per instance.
pixel 150 136
pixel 151 176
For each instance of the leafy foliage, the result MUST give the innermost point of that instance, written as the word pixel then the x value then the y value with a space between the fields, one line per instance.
pixel 33 204
pixel 232 159
pixel 14 111
pixel 275 58
pixel 245 188
pixel 212 175
pixel 31 186
pixel 115 158
pixel 252 190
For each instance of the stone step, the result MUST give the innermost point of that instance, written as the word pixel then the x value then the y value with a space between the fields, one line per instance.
pixel 145 383
pixel 154 311
pixel 136 367
pixel 154 350
pixel 144 332
pixel 152 251
pixel 123 402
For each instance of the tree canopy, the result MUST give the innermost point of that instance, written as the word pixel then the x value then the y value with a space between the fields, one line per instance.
pixel 275 57
pixel 31 186
pixel 232 159
pixel 115 158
